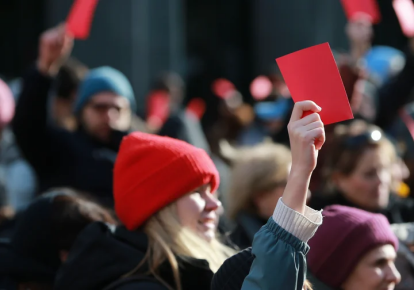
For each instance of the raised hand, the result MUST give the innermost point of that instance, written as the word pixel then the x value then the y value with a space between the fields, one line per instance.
pixel 55 46
pixel 307 135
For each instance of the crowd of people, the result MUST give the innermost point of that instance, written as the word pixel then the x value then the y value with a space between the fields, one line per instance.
pixel 92 196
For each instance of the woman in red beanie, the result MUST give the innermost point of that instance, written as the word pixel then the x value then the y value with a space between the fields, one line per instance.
pixel 353 249
pixel 164 193
pixel 165 196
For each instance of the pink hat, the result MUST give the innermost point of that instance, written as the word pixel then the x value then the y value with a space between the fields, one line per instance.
pixel 6 104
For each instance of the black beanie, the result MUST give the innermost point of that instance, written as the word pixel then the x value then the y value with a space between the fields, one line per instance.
pixel 234 270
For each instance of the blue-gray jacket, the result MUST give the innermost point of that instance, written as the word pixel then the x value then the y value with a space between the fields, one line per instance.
pixel 277 259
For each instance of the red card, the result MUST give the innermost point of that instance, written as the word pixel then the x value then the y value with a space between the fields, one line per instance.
pixel 197 107
pixel 158 109
pixel 80 18
pixel 405 13
pixel 362 8
pixel 223 88
pixel 312 74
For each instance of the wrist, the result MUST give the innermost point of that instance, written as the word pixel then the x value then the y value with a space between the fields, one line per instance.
pixel 46 69
pixel 301 173
pixel 296 190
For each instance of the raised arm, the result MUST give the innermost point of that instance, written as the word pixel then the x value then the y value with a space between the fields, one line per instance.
pixel 30 125
pixel 279 248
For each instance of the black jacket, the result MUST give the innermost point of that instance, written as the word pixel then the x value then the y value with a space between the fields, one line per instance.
pixel 395 94
pixel 398 210
pixel 59 157
pixel 247 225
pixel 102 255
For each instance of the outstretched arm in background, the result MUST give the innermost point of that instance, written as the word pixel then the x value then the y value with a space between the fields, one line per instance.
pixel 40 143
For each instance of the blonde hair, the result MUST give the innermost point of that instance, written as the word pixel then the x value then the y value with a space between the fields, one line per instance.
pixel 255 170
pixel 168 238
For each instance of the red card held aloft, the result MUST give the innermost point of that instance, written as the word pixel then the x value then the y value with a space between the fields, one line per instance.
pixel 405 13
pixel 80 18
pixel 312 74
pixel 197 107
pixel 362 8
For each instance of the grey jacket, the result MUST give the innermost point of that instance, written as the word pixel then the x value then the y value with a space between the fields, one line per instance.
pixel 17 178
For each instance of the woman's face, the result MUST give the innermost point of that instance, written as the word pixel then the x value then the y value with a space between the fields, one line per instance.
pixel 198 211
pixel 375 271
pixel 265 202
pixel 368 186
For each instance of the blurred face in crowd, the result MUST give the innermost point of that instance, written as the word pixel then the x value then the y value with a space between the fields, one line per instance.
pixel 368 185
pixel 198 211
pixel 265 202
pixel 105 112
pixel 375 271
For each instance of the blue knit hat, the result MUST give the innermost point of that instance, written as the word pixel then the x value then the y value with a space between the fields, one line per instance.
pixel 104 79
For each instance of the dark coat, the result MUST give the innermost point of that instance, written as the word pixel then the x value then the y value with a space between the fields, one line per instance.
pixel 247 225
pixel 102 255
pixel 59 157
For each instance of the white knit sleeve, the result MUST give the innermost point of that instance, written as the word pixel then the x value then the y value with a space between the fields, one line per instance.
pixel 302 226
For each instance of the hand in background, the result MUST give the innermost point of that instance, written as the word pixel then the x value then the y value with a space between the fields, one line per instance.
pixel 55 46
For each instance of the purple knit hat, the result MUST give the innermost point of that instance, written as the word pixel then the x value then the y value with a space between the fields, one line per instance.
pixel 345 236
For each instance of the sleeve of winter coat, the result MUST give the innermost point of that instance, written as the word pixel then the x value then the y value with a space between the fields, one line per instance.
pixel 41 144
pixel 280 248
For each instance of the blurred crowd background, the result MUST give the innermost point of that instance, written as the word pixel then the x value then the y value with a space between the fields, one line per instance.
pixel 205 72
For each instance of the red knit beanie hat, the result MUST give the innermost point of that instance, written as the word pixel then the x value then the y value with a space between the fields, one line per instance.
pixel 152 171
pixel 344 237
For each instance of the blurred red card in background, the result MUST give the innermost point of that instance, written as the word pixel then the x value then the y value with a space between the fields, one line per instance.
pixel 158 109
pixel 197 107
pixel 405 13
pixel 261 87
pixel 223 88
pixel 312 74
pixel 80 18
pixel 362 8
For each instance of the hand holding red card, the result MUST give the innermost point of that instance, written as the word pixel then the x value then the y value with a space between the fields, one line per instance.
pixel 312 74
pixel 80 18
pixel 405 13
pixel 362 8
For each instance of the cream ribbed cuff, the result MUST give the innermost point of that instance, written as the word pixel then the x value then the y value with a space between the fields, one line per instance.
pixel 301 226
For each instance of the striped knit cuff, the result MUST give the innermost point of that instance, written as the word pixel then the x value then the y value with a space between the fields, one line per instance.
pixel 301 226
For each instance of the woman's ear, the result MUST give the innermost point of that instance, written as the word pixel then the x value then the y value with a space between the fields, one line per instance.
pixel 338 180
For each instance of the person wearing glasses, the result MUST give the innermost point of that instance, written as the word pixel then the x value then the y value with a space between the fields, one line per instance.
pixel 359 171
pixel 104 107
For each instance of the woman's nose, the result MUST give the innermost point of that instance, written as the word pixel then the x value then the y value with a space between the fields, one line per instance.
pixel 212 203
pixel 393 276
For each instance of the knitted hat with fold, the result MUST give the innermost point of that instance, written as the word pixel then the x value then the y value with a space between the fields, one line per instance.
pixel 345 236
pixel 104 79
pixel 153 171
